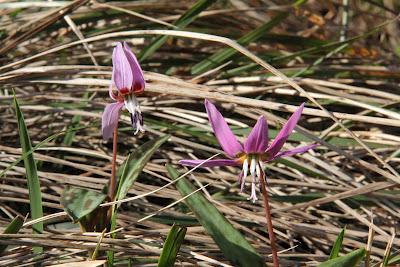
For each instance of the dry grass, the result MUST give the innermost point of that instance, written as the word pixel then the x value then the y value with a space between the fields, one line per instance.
pixel 352 111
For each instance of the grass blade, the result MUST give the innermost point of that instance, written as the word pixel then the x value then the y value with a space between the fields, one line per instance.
pixel 225 54
pixel 171 246
pixel 349 260
pixel 231 242
pixel 338 245
pixel 187 18
pixel 12 228
pixel 35 196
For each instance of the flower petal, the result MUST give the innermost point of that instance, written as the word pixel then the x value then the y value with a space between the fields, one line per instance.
pixel 210 163
pixel 283 135
pixel 109 119
pixel 257 141
pixel 122 72
pixel 138 82
pixel 294 151
pixel 225 137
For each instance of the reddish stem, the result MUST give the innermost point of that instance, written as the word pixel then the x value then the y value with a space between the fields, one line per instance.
pixel 269 221
pixel 112 185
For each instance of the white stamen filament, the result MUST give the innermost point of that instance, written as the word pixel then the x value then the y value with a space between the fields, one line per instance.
pixel 256 170
pixel 245 172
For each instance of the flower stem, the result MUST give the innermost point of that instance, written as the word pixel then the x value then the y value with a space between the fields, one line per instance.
pixel 112 185
pixel 269 221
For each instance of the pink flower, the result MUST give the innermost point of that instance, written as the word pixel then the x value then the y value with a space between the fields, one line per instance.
pixel 127 76
pixel 254 152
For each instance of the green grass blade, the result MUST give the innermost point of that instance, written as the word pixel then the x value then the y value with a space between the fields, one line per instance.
pixel 12 228
pixel 338 245
pixel 225 54
pixel 186 18
pixel 349 260
pixel 171 246
pixel 35 196
pixel 231 242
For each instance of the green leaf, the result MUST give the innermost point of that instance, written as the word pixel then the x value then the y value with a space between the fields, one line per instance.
pixel 79 202
pixel 186 18
pixel 171 246
pixel 135 163
pixel 12 228
pixel 231 242
pixel 225 54
pixel 35 195
pixel 349 260
pixel 395 259
pixel 132 167
pixel 338 245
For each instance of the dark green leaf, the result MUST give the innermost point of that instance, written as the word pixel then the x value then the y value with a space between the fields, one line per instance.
pixel 225 54
pixel 171 246
pixel 35 195
pixel 79 202
pixel 338 245
pixel 12 228
pixel 182 22
pixel 135 163
pixel 349 260
pixel 394 260
pixel 131 169
pixel 231 242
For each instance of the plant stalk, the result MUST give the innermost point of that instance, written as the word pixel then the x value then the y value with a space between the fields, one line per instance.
pixel 269 221
pixel 112 185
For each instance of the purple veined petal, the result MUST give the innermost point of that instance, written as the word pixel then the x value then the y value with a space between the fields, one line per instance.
pixel 294 151
pixel 257 141
pixel 284 133
pixel 210 163
pixel 122 72
pixel 109 120
pixel 138 82
pixel 225 137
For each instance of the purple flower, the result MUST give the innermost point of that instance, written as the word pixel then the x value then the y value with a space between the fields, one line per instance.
pixel 254 152
pixel 127 76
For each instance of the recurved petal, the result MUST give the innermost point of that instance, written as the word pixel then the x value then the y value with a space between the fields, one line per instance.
pixel 109 120
pixel 294 151
pixel 210 163
pixel 283 135
pixel 138 82
pixel 225 137
pixel 257 141
pixel 122 72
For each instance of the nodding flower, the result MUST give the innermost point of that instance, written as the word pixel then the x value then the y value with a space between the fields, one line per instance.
pixel 255 151
pixel 127 77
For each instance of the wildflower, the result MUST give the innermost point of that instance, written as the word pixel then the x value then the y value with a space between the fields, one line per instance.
pixel 254 152
pixel 127 76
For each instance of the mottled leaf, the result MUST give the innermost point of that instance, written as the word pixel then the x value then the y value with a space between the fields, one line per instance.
pixel 231 242
pixel 79 202
pixel 349 260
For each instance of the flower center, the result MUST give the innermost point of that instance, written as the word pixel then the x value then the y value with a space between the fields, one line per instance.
pixel 132 105
pixel 251 163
